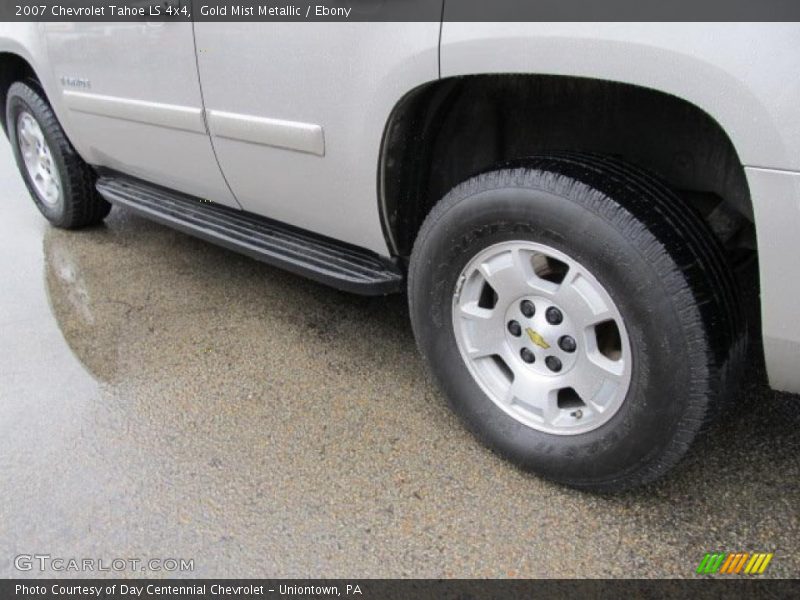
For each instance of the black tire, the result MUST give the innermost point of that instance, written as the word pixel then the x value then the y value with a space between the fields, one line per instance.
pixel 79 204
pixel 659 262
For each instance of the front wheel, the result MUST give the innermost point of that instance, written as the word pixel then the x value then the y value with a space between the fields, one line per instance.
pixel 580 318
pixel 59 181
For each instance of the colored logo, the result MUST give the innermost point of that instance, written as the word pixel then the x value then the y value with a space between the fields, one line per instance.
pixel 732 563
pixel 537 338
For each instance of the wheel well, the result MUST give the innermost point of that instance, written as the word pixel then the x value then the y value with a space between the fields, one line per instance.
pixel 444 132
pixel 13 68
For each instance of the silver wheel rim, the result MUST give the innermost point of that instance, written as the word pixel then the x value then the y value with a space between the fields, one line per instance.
pixel 38 159
pixel 562 390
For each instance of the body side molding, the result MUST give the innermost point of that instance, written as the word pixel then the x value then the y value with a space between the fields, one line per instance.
pixel 290 135
pixel 184 118
pixel 278 133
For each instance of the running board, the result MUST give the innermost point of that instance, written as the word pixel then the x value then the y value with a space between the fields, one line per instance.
pixel 322 259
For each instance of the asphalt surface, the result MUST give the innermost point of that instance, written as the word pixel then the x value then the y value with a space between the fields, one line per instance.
pixel 164 398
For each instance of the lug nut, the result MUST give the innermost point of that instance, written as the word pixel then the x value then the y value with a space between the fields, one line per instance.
pixel 514 328
pixel 527 308
pixel 553 363
pixel 527 355
pixel 576 414
pixel 567 343
pixel 553 316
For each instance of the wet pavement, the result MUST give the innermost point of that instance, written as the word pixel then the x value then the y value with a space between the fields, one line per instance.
pixel 164 398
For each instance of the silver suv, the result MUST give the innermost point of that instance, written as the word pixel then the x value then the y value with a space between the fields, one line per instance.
pixel 575 210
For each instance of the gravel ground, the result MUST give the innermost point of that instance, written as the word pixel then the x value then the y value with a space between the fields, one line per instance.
pixel 161 397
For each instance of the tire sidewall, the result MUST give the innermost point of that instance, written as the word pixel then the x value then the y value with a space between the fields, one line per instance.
pixel 656 403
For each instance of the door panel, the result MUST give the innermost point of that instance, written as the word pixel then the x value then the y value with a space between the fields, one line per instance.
pixel 135 104
pixel 297 112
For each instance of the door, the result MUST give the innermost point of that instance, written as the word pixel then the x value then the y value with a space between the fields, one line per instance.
pixel 134 102
pixel 297 113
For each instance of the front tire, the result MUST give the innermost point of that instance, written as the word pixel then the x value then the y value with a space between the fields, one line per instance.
pixel 59 181
pixel 610 392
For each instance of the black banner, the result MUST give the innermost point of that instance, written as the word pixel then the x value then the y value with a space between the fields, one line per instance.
pixel 387 589
pixel 399 10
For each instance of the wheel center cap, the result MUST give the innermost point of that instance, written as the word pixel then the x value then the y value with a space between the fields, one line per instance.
pixel 541 335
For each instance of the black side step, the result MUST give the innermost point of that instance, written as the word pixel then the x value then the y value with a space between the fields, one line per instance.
pixel 342 266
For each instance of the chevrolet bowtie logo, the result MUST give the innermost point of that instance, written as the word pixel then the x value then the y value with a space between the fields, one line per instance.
pixel 537 339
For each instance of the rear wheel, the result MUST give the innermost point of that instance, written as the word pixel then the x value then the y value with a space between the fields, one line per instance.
pixel 59 181
pixel 580 318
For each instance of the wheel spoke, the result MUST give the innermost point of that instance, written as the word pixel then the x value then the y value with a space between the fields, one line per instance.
pixel 36 133
pixel 51 188
pixel 538 395
pixel 524 390
pixel 484 328
pixel 595 379
pixel 504 278
pixel 25 135
pixel 578 295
